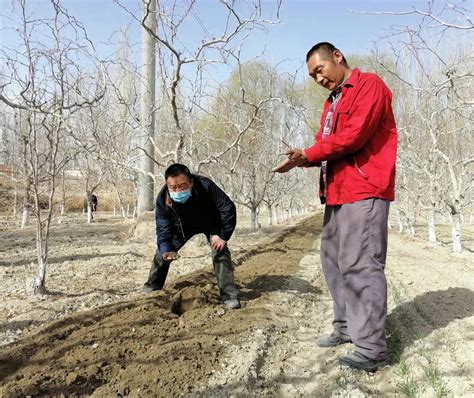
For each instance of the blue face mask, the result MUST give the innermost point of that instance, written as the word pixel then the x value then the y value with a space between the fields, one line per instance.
pixel 181 196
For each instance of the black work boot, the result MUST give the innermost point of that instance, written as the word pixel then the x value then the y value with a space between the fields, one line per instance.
pixel 356 360
pixel 331 341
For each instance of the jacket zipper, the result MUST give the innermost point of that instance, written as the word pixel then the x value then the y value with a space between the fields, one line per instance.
pixel 180 223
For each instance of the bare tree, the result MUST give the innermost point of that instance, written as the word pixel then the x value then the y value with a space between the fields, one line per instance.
pixel 433 65
pixel 46 80
pixel 185 70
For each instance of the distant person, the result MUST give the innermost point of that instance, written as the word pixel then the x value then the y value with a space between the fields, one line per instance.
pixel 356 149
pixel 92 200
pixel 187 205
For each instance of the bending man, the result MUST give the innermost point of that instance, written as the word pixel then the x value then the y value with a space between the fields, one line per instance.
pixel 188 205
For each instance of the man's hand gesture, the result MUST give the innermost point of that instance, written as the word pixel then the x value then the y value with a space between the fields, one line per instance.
pixel 217 243
pixel 170 256
pixel 296 158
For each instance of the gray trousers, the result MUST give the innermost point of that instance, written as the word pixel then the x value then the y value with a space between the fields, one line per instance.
pixel 223 270
pixel 353 253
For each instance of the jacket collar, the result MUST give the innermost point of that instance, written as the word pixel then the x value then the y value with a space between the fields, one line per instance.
pixel 351 81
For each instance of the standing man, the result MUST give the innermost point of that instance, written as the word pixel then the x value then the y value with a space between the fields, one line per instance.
pixel 188 205
pixel 356 149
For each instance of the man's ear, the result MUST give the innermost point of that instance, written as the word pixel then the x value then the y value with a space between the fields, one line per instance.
pixel 337 57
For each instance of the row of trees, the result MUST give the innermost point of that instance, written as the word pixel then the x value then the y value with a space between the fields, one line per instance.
pixel 65 108
pixel 431 68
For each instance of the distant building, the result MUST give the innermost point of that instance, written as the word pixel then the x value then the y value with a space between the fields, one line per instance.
pixel 6 174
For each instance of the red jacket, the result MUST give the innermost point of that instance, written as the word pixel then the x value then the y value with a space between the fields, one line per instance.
pixel 362 147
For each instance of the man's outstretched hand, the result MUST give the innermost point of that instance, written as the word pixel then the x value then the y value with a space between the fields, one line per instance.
pixel 296 158
pixel 170 256
pixel 217 243
pixel 284 166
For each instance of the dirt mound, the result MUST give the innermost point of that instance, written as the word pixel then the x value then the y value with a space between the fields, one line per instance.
pixel 165 344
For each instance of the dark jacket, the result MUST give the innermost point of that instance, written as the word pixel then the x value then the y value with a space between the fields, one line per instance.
pixel 212 213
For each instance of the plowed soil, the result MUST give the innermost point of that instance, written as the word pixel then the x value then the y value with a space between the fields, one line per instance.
pixel 182 342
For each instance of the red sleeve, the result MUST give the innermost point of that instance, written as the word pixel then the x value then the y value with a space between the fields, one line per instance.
pixel 365 113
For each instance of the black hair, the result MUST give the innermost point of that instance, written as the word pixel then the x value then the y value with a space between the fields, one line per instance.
pixel 176 170
pixel 326 49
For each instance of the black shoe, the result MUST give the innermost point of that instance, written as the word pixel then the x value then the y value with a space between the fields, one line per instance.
pixel 356 360
pixel 331 341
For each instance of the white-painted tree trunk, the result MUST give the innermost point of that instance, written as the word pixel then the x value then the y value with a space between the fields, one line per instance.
pixel 253 219
pixel 39 280
pixel 15 201
pixel 89 213
pixel 270 215
pixel 456 234
pixel 275 215
pixel 432 238
pixel 25 219
pixel 400 226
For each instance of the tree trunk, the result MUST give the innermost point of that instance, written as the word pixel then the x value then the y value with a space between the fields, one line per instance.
pixel 15 201
pixel 270 214
pixel 402 222
pixel 253 219
pixel 25 219
pixel 89 213
pixel 147 104
pixel 42 233
pixel 121 203
pixel 39 281
pixel 275 215
pixel 456 233
pixel 432 238
pixel 63 196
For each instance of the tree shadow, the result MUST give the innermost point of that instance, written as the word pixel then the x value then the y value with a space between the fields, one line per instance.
pixel 15 325
pixel 430 311
pixel 55 260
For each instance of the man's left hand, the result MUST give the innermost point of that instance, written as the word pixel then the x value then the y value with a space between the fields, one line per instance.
pixel 217 243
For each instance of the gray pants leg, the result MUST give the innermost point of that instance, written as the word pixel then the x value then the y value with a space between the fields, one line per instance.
pixel 353 253
pixel 224 271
